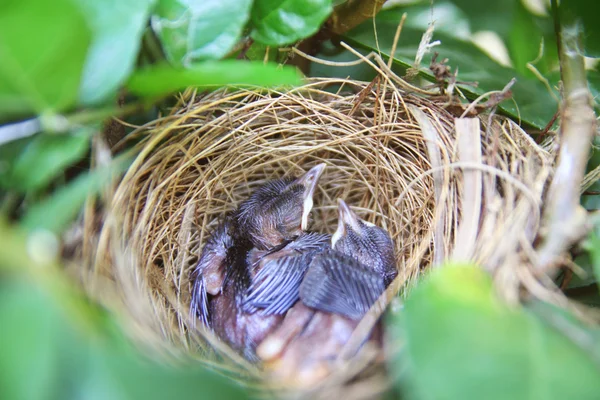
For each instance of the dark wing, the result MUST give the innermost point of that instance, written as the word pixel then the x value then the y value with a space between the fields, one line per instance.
pixel 311 242
pixel 339 284
pixel 209 273
pixel 199 305
pixel 275 288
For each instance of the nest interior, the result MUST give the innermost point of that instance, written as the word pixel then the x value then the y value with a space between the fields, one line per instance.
pixel 442 189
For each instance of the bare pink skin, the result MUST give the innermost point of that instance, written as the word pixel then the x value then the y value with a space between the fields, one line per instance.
pixel 213 277
pixel 242 331
pixel 302 350
pixel 294 322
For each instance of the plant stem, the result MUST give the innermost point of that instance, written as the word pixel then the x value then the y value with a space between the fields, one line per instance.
pixel 62 124
pixel 19 130
pixel 100 114
pixel 352 13
pixel 565 221
pixel 151 46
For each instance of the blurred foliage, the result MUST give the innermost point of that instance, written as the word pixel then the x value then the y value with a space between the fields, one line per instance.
pixel 281 22
pixel 585 335
pixel 55 213
pixel 163 79
pixel 69 65
pixel 50 154
pixel 460 342
pixel 42 60
pixel 201 29
pixel 586 11
pixel 533 103
pixel 55 344
pixel 592 246
pixel 47 356
pixel 583 286
pixel 117 27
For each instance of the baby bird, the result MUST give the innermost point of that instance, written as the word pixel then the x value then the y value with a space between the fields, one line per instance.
pixel 349 279
pixel 278 211
pixel 345 280
pixel 264 224
pixel 275 288
pixel 337 290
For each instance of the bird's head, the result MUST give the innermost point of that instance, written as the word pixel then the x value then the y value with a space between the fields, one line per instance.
pixel 279 210
pixel 368 243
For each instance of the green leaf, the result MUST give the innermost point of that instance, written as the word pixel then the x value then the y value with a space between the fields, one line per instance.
pixel 489 15
pixel 258 52
pixel 117 27
pixel 586 12
pixel 55 213
pixel 141 380
pixel 162 79
pixel 523 51
pixel 534 104
pixel 43 45
pixel 26 344
pixel 56 344
pixel 513 23
pixel 592 245
pixel 591 201
pixel 360 71
pixel 281 22
pixel 448 18
pixel 194 30
pixel 31 163
pixel 594 85
pixel 46 355
pixel 586 336
pixel 461 342
pixel 582 278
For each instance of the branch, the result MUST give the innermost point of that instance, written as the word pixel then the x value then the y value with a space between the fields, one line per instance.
pixel 352 13
pixel 19 130
pixel 344 17
pixel 565 221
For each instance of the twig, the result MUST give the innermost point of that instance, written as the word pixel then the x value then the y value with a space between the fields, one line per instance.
pixel 19 130
pixel 469 150
pixel 495 98
pixel 395 42
pixel 57 123
pixel 362 95
pixel 589 179
pixel 432 141
pixel 446 80
pixel 425 47
pixel 550 124
pixel 151 46
pixel 244 47
pixel 352 13
pixel 564 219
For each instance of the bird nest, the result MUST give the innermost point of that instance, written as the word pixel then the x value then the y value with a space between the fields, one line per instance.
pixel 444 188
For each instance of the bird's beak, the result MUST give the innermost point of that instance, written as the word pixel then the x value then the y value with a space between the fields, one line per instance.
pixel 309 181
pixel 346 217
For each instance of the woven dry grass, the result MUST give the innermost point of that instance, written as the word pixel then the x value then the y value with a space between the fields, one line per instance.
pixel 467 189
